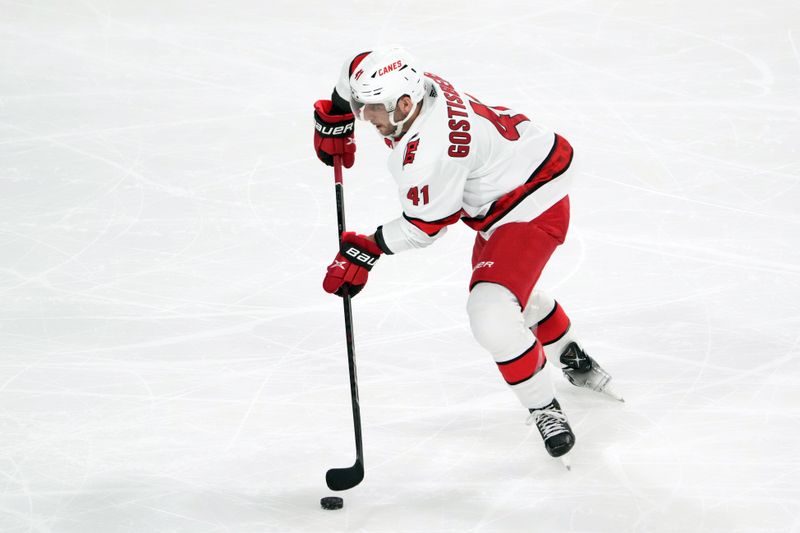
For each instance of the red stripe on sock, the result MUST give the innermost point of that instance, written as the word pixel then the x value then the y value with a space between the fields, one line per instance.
pixel 523 367
pixel 553 326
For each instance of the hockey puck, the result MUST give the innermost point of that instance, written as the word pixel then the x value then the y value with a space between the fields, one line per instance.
pixel 331 503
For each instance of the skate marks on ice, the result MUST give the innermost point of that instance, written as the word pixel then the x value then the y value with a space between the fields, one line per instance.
pixel 165 369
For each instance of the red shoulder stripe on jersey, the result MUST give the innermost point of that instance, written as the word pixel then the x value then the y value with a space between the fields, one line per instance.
pixel 432 228
pixel 357 61
pixel 523 367
pixel 555 164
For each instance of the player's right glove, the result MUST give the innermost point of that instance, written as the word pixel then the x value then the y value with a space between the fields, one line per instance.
pixel 333 134
pixel 357 254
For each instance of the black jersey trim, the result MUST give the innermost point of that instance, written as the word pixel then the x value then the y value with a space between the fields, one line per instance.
pixel 381 242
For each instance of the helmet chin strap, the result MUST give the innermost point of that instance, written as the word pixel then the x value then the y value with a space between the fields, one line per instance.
pixel 398 126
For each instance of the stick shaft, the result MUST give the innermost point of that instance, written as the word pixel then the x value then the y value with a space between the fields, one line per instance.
pixel 348 317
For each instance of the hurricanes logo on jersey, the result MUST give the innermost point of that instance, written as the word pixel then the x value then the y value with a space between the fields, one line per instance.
pixel 411 151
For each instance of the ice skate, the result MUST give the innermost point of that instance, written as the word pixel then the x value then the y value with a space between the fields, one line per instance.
pixel 583 371
pixel 554 427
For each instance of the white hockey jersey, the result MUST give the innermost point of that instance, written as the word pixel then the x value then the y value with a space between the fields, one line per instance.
pixel 463 160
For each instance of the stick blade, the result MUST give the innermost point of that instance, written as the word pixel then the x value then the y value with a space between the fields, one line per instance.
pixel 345 478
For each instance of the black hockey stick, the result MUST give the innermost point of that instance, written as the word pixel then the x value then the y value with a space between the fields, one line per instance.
pixel 347 478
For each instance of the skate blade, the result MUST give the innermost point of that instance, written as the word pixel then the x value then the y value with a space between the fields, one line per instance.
pixel 610 391
pixel 566 462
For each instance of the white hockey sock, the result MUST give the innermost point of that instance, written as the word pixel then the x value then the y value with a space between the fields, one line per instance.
pixel 551 325
pixel 498 325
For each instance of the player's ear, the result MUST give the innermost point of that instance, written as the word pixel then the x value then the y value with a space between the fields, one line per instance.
pixel 405 104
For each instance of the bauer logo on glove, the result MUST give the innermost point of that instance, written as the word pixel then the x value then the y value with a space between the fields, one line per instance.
pixel 350 268
pixel 337 131
pixel 333 134
pixel 363 259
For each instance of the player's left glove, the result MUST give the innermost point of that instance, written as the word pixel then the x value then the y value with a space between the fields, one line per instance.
pixel 352 264
pixel 333 134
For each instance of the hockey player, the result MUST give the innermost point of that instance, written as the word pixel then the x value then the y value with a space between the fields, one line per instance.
pixel 455 158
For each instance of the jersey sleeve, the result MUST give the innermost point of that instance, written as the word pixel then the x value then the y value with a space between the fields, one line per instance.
pixel 341 91
pixel 431 197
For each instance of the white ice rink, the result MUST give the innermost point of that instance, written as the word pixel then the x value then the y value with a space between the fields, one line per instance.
pixel 170 363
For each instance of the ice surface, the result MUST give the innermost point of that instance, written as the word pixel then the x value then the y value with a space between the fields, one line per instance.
pixel 169 362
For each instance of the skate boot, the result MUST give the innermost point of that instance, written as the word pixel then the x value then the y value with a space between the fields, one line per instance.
pixel 553 426
pixel 583 371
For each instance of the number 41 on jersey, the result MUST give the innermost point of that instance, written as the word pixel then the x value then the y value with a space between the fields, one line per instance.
pixel 414 195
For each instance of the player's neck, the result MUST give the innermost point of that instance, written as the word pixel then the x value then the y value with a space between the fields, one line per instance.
pixel 410 122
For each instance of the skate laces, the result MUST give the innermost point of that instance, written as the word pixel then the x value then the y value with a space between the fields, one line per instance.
pixel 549 421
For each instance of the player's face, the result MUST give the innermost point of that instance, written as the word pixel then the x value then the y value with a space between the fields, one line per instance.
pixel 379 117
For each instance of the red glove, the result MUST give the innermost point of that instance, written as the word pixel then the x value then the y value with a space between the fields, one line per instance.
pixel 333 134
pixel 351 267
